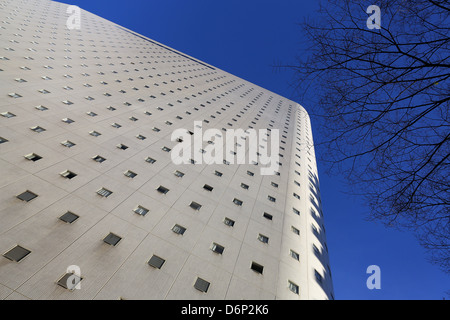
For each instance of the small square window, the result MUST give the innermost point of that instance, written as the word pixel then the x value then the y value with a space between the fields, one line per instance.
pixel 141 210
pixel 217 248
pixel 99 159
pixel 218 173
pixel 8 114
pixel 208 187
pixel 294 255
pixel 68 120
pixel 263 238
pixel 296 211
pixel 201 285
pixel 68 144
pixel 156 262
pixel 15 95
pixel 91 114
pixel 140 137
pixel 195 205
pixel 237 202
pixel 228 222
pixel 250 173
pixel 116 125
pixel 156 129
pixel 122 146
pixel 69 281
pixel 67 102
pixel 295 230
pixel 274 184
pixel 178 174
pixel 272 199
pixel 267 216
pixel 296 196
pixel 130 174
pixel 162 189
pixel 112 239
pixel 3 140
pixel 41 108
pixel 27 196
pixel 104 192
pixel 33 157
pixel 150 160
pixel 293 287
pixel 69 217
pixel 166 149
pixel 37 129
pixel 257 267
pixel 17 253
pixel 178 229
pixel 95 133
pixel 68 174
pixel 245 186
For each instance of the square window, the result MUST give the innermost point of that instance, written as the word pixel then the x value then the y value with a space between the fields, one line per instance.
pixel 122 146
pixel 272 199
pixel 17 253
pixel 274 184
pixel 140 137
pixel 68 174
pixel 41 108
pixel 150 160
pixel 237 202
pixel 8 114
pixel 116 125
pixel 33 157
pixel 95 133
pixel 178 229
pixel 294 255
pixel 201 285
pixel 244 186
pixel 208 187
pixel 27 196
pixel 217 248
pixel 112 239
pixel 293 287
pixel 295 230
pixel 104 192
pixel 218 173
pixel 162 189
pixel 178 174
pixel 296 211
pixel 166 149
pixel 68 120
pixel 195 205
pixel 68 144
pixel 156 262
pixel 228 222
pixel 267 216
pixel 130 174
pixel 69 281
pixel 263 238
pixel 250 173
pixel 257 267
pixel 91 114
pixel 14 95
pixel 37 129
pixel 141 210
pixel 69 217
pixel 99 159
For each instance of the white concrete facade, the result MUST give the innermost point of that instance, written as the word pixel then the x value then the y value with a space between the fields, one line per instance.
pixel 103 74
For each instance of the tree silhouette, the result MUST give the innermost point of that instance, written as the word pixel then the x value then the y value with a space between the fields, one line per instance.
pixel 381 99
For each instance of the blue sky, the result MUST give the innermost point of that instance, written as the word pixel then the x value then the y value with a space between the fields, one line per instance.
pixel 247 38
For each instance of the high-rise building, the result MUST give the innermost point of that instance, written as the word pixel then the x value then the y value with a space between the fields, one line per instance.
pixel 93 204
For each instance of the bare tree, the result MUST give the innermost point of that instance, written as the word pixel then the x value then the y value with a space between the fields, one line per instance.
pixel 381 97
